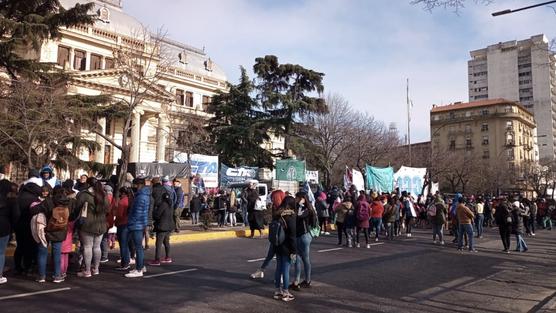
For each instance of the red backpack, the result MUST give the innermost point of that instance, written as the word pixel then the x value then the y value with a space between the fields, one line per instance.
pixel 363 211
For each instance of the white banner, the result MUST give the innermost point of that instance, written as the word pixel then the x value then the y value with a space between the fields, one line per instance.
pixel 207 167
pixel 312 176
pixel 410 179
pixel 358 180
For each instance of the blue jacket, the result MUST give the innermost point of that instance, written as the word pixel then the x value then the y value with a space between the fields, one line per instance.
pixel 138 215
pixel 179 195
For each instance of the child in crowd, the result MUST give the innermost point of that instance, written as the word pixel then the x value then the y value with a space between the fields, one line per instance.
pixel 67 249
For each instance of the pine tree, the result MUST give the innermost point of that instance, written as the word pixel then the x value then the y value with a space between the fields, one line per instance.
pixel 26 24
pixel 238 129
pixel 285 92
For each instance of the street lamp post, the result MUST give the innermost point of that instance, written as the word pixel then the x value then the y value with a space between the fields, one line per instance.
pixel 509 11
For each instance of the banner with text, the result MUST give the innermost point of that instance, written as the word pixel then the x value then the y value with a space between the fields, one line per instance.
pixel 290 170
pixel 312 176
pixel 207 167
pixel 236 175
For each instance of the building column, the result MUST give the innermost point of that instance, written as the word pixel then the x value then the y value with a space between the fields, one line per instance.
pixel 162 138
pixel 71 56
pixel 135 137
pixel 99 154
pixel 87 61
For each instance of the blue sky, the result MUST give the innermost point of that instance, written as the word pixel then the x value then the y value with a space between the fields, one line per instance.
pixel 366 48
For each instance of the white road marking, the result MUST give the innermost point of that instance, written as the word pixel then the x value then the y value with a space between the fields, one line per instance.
pixel 170 273
pixel 377 243
pixel 327 250
pixel 21 295
pixel 257 260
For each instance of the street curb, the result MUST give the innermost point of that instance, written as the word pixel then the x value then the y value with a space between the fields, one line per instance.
pixel 185 238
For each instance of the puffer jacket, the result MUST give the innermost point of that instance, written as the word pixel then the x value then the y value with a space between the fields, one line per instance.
pixel 95 223
pixel 341 211
pixel 138 214
pixel 28 194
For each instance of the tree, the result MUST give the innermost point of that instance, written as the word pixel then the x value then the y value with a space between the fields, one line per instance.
pixel 238 129
pixel 284 92
pixel 40 122
pixel 26 24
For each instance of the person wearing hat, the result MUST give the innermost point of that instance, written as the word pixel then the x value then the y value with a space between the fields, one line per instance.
pixel 47 174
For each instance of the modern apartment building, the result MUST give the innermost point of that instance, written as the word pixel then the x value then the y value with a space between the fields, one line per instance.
pixel 498 131
pixel 523 71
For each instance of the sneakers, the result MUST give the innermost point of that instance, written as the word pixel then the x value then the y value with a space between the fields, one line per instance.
pixel 3 280
pixel 258 274
pixel 368 246
pixel 474 250
pixel 58 279
pixel 287 296
pixel 104 260
pixel 295 287
pixel 41 279
pixel 144 269
pixel 327 233
pixel 376 239
pixel 305 284
pixel 132 261
pixel 154 263
pixel 434 242
pixel 123 268
pixel 358 245
pixel 442 243
pixel 166 260
pixel 84 274
pixel 134 274
pixel 278 294
pixel 95 271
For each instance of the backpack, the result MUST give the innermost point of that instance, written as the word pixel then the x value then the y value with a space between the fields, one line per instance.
pixel 277 232
pixel 431 210
pixel 59 219
pixel 363 212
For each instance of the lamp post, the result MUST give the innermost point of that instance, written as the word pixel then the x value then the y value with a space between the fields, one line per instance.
pixel 509 11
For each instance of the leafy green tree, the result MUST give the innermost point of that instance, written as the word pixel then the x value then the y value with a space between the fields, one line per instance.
pixel 238 129
pixel 290 93
pixel 26 24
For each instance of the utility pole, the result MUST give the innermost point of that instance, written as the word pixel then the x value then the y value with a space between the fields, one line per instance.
pixel 408 122
pixel 509 11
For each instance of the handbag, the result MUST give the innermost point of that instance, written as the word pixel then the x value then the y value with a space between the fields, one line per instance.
pixel 259 205
pixel 315 231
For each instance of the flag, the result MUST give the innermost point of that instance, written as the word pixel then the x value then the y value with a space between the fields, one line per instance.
pixel 348 178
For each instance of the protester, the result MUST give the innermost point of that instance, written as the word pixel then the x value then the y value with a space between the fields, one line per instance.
pixel 232 209
pixel 341 212
pixel 121 221
pixel 8 219
pixel 376 215
pixel 137 223
pixel 180 205
pixel 287 250
pixel 480 217
pixel 390 217
pixel 533 217
pixel 363 214
pixel 47 174
pixel 439 219
pixel 504 220
pixel 105 244
pixel 408 212
pixel 465 218
pixel 195 207
pixel 81 185
pixel 254 214
pixel 518 212
pixel 306 218
pixel 323 212
pixel 164 225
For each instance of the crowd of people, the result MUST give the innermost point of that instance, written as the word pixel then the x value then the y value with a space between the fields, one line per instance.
pixel 81 220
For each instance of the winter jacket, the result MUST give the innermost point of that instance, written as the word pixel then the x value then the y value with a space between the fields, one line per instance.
pixel 465 216
pixel 121 211
pixel 196 204
pixel 390 213
pixel 322 209
pixel 517 219
pixel 363 206
pixel 377 209
pixel 351 218
pixel 180 197
pixel 46 208
pixel 163 217
pixel 138 214
pixel 342 210
pixel 95 222
pixel 441 213
pixel 289 246
pixel 9 215
pixel 29 193
pixel 303 220
pixel 501 214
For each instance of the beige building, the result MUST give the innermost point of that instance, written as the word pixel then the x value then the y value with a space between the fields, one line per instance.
pixel 523 71
pixel 498 131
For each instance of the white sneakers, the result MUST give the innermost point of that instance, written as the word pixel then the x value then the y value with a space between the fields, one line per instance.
pixel 257 274
pixel 134 274
pixel 368 246
pixel 3 280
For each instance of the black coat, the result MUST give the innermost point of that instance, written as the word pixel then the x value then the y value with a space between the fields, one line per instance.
pixel 289 246
pixel 28 194
pixel 517 224
pixel 163 217
pixel 9 215
pixel 196 204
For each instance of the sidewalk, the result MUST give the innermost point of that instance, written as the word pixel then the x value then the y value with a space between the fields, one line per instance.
pixel 195 233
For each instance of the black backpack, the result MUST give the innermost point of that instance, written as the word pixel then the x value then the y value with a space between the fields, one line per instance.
pixel 277 232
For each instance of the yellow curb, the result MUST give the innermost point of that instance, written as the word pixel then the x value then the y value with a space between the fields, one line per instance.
pixel 185 238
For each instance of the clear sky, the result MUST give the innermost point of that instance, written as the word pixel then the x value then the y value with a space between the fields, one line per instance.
pixel 366 48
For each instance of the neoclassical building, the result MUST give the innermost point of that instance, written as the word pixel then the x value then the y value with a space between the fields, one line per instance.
pixel 186 81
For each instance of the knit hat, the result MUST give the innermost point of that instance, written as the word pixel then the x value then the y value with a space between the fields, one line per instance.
pixel 165 179
pixel 33 173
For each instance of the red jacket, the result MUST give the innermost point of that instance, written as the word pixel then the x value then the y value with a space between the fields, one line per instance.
pixel 377 209
pixel 121 211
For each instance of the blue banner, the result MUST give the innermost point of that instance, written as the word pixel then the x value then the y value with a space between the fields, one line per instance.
pixel 380 179
pixel 233 175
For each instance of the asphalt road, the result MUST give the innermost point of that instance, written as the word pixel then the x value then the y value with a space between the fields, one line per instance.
pixel 406 275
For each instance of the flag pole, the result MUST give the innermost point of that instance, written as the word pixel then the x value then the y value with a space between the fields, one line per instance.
pixel 408 122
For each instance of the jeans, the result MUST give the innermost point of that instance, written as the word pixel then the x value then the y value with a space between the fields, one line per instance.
pixel 521 245
pixel 349 232
pixel 104 246
pixel 397 227
pixel 479 221
pixel 162 238
pixel 532 222
pixel 505 231
pixel 91 250
pixel 547 222
pixel 3 245
pixel 468 229
pixel 283 264
pixel 137 238
pixel 194 218
pixel 408 222
pixel 377 223
pixel 177 215
pixel 245 216
pixel 56 256
pixel 123 239
pixel 269 256
pixel 221 217
pixel 365 232
pixel 303 254
pixel 438 229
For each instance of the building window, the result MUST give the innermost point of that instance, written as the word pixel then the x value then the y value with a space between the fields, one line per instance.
pixel 452 144
pixel 452 115
pixel 524 74
pixel 484 112
pixel 511 156
pixel 182 138
pixel 485 140
pixel 206 102
pixel 510 140
pixel 189 99
pixel 467 129
pixel 509 125
pixel 484 127
pixel 486 154
pixel 96 62
pixel 108 63
pixel 180 97
pixel 63 56
pixel 467 113
pixel 79 60
pixel 468 143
